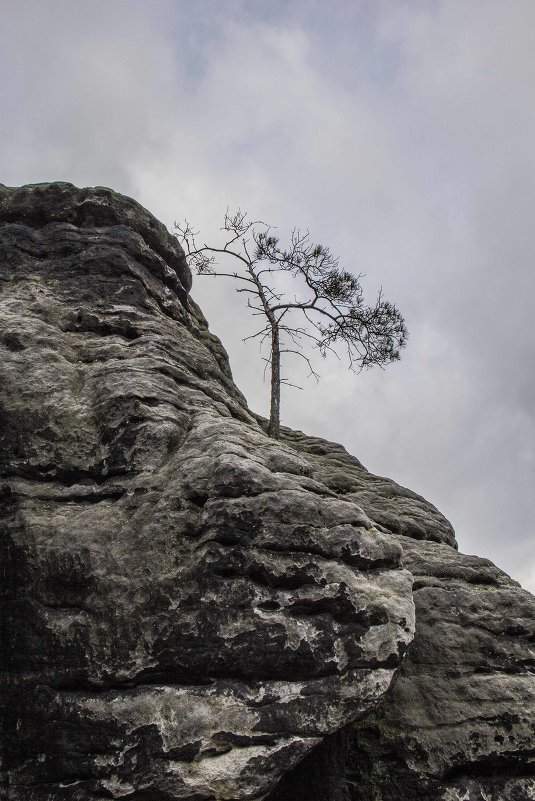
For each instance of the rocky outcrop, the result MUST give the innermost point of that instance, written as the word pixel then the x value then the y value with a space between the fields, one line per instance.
pixel 459 722
pixel 190 608
pixel 187 610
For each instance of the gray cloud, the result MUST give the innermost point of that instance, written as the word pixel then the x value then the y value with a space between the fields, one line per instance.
pixel 401 135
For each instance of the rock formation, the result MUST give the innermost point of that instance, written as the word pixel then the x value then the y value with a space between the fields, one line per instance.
pixel 459 721
pixel 193 611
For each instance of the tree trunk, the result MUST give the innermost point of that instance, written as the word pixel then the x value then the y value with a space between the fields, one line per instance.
pixel 275 408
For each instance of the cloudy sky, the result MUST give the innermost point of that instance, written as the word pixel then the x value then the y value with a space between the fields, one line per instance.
pixel 400 133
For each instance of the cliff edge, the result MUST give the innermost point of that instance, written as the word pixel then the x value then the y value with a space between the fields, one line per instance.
pixel 191 610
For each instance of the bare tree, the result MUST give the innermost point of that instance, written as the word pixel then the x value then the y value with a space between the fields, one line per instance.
pixel 327 308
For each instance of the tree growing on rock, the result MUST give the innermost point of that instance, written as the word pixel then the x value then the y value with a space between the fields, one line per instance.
pixel 324 308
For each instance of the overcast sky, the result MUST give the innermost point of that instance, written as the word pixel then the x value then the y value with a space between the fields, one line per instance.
pixel 401 134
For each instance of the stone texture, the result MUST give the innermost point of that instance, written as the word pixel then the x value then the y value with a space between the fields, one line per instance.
pixel 459 723
pixel 394 509
pixel 193 611
pixel 186 610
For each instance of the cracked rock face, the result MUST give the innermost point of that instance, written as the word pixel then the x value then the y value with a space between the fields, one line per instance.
pixel 193 611
pixel 465 697
pixel 188 606
pixel 459 723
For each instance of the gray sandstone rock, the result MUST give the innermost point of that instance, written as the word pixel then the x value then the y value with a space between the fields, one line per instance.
pixel 193 611
pixel 186 610
pixel 459 722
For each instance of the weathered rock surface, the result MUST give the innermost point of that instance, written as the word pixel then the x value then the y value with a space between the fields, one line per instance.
pixel 189 608
pixel 459 722
pixel 186 609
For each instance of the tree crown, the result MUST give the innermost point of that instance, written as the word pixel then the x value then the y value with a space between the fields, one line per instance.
pixel 327 308
pixel 331 299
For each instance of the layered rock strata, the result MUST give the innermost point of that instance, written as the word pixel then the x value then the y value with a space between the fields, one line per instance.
pixel 187 611
pixel 190 608
pixel 459 722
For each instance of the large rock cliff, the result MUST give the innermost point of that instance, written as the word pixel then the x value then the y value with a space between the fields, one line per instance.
pixel 193 611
